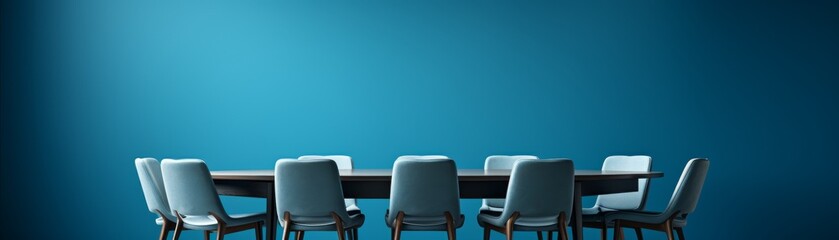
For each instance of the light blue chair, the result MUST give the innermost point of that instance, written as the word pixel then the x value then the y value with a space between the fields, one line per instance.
pixel 310 198
pixel 500 162
pixel 594 217
pixel 424 196
pixel 540 197
pixel 148 169
pixel 344 163
pixel 674 217
pixel 195 203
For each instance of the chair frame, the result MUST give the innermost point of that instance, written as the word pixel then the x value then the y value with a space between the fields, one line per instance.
pixel 666 227
pixel 562 223
pixel 351 233
pixel 396 232
pixel 221 231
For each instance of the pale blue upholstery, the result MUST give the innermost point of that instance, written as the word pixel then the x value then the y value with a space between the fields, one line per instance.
pixel 500 162
pixel 683 202
pixel 192 194
pixel 539 190
pixel 344 163
pixel 621 201
pixel 424 188
pixel 151 179
pixel 421 157
pixel 310 191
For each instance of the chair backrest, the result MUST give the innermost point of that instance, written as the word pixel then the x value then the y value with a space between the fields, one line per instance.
pixel 630 200
pixel 540 190
pixel 424 188
pixel 309 188
pixel 504 161
pixel 687 192
pixel 422 157
pixel 344 162
pixel 151 179
pixel 190 188
pixel 497 162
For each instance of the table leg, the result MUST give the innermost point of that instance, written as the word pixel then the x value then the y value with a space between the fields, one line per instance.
pixel 271 211
pixel 577 220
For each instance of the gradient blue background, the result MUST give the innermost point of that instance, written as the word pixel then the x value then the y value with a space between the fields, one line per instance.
pixel 89 85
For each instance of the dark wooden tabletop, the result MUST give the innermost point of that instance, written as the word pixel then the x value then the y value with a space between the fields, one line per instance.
pixel 463 174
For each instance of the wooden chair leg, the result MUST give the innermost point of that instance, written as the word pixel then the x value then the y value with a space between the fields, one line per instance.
pixel 397 232
pixel 349 234
pixel 222 226
pixel 355 233
pixel 639 234
pixel 287 226
pixel 179 226
pixel 618 232
pixel 450 226
pixel 604 232
pixel 563 227
pixel 165 228
pixel 299 235
pixel 486 233
pixel 339 225
pixel 258 231
pixel 681 233
pixel 539 235
pixel 563 234
pixel 510 225
pixel 207 235
pixel 550 235
pixel 668 230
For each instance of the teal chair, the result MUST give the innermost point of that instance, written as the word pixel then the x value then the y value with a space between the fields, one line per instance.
pixel 500 162
pixel 195 203
pixel 148 169
pixel 424 196
pixel 674 217
pixel 310 198
pixel 344 163
pixel 595 217
pixel 539 198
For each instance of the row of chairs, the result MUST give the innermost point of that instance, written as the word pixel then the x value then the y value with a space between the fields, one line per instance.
pixel 424 197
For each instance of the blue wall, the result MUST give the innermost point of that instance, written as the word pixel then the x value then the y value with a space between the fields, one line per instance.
pixel 88 85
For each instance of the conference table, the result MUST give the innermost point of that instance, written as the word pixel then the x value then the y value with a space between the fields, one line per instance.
pixel 473 183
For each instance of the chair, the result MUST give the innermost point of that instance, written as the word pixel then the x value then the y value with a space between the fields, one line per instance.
pixel 674 217
pixel 594 217
pixel 344 163
pixel 539 198
pixel 424 196
pixel 500 162
pixel 195 203
pixel 148 169
pixel 310 198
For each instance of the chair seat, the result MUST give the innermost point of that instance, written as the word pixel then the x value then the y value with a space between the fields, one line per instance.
pixel 432 223
pixel 210 223
pixel 301 223
pixel 596 215
pixel 353 209
pixel 159 221
pixel 521 224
